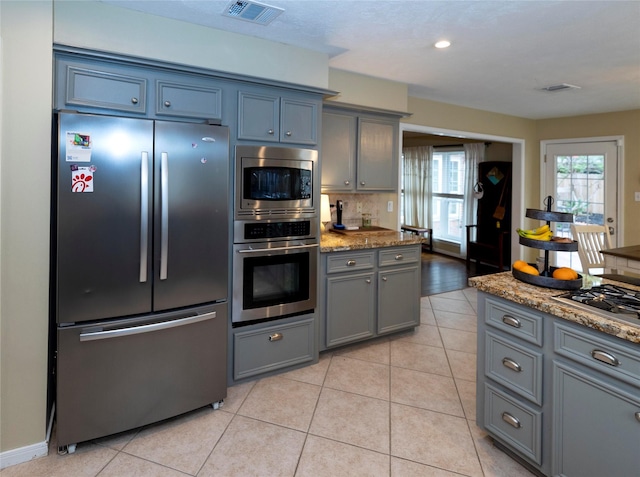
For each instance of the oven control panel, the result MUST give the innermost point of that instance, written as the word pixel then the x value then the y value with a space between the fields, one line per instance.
pixel 270 230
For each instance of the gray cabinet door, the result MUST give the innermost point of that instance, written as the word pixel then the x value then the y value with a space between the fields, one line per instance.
pixel 258 117
pixel 298 121
pixel 188 100
pixel 398 299
pixel 104 89
pixel 350 311
pixel 596 426
pixel 338 151
pixel 377 154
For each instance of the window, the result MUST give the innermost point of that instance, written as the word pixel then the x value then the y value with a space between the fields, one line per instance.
pixel 447 197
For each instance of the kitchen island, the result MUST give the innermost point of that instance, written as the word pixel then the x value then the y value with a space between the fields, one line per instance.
pixel 369 285
pixel 557 387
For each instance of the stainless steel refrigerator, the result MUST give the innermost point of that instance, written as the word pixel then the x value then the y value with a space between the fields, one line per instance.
pixel 140 263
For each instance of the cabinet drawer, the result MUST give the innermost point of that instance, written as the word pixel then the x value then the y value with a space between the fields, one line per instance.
pixel 184 100
pixel 268 349
pixel 516 424
pixel 398 256
pixel 348 262
pixel 515 320
pixel 104 89
pixel 515 367
pixel 597 351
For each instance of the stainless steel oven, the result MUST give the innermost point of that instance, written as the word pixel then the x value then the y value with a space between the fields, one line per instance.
pixel 275 181
pixel 274 279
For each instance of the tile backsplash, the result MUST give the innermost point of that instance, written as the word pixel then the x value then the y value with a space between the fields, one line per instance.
pixel 374 204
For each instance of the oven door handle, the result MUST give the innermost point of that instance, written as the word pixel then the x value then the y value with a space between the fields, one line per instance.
pixel 277 249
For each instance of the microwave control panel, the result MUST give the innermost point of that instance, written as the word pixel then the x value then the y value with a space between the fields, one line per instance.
pixel 270 230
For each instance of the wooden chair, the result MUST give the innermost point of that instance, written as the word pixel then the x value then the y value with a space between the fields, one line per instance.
pixel 591 239
pixel 487 250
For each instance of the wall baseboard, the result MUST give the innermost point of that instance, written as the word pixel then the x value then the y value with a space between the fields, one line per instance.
pixel 30 452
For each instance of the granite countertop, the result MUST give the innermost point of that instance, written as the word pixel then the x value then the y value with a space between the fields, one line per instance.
pixel 336 242
pixel 504 285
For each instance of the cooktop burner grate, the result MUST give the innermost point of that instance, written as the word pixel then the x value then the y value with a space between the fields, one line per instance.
pixel 610 300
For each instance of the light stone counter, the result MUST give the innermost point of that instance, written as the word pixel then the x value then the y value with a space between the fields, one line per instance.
pixel 504 285
pixel 336 242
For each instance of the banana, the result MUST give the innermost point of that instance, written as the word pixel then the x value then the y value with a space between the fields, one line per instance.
pixel 541 233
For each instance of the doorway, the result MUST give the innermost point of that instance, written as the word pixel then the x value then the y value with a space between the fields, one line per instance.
pixel 582 176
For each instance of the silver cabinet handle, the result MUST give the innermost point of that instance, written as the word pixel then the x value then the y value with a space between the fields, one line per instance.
pixel 276 337
pixel 368 280
pixel 164 214
pixel 144 215
pixel 605 357
pixel 399 257
pixel 167 104
pixel 511 420
pixel 134 330
pixel 347 182
pixel 637 416
pixel 511 321
pixel 362 183
pixel 351 263
pixel 134 100
pixel 511 364
pixel 288 133
pixel 384 279
pixel 270 132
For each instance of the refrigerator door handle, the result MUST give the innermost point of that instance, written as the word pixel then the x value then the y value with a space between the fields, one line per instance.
pixel 164 219
pixel 134 330
pixel 144 215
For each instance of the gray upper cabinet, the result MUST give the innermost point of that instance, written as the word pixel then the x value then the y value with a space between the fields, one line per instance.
pixel 195 99
pixel 263 116
pixel 104 88
pixel 359 150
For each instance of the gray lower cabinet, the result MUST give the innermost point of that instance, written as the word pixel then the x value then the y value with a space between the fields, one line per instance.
pixel 263 116
pixel 563 397
pixel 368 293
pixel 269 347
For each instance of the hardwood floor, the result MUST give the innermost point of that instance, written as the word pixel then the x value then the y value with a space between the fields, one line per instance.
pixel 441 273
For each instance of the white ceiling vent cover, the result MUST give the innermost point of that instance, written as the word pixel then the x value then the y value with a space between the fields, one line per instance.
pixel 253 12
pixel 559 87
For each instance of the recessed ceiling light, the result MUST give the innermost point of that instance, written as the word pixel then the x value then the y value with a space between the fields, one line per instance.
pixel 443 44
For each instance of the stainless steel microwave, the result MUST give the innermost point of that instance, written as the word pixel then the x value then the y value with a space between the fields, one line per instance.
pixel 275 181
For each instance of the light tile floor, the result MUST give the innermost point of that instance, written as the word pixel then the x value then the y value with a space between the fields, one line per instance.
pixel 398 406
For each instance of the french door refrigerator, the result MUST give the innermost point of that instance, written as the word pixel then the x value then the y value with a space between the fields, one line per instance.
pixel 140 263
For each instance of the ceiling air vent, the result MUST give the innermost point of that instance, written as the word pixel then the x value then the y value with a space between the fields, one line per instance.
pixel 253 12
pixel 559 87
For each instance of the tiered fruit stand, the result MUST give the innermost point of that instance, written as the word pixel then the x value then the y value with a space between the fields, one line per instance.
pixel 545 279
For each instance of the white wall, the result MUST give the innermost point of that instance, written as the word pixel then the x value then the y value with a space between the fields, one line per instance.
pixel 26 29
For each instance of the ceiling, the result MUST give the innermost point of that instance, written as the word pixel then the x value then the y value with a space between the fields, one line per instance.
pixel 502 54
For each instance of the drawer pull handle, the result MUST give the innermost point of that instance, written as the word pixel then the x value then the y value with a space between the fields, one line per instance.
pixel 288 133
pixel 384 279
pixel 368 280
pixel 638 416
pixel 511 321
pixel 351 263
pixel 362 183
pixel 511 364
pixel 276 337
pixel 511 420
pixel 605 357
pixel 270 132
pixel 134 100
pixel 399 256
pixel 167 104
pixel 347 182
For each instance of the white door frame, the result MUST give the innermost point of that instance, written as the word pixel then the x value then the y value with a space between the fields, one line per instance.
pixel 517 173
pixel 619 239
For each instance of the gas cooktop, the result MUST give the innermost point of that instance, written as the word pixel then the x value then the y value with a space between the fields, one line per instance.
pixel 610 301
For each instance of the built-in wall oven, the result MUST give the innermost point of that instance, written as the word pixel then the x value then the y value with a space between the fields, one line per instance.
pixel 276 242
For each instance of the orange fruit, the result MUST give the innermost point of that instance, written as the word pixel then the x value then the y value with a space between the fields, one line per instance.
pixel 565 273
pixel 519 264
pixel 531 270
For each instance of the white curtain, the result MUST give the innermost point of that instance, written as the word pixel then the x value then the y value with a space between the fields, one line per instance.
pixel 417 185
pixel 474 155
